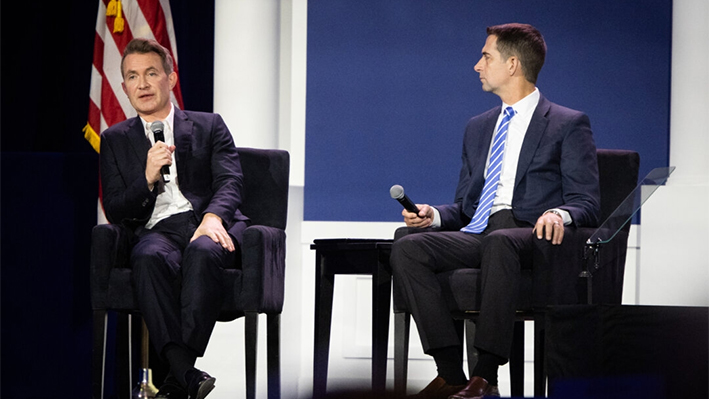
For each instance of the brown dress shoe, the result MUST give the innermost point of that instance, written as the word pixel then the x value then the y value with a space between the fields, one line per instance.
pixel 477 388
pixel 437 389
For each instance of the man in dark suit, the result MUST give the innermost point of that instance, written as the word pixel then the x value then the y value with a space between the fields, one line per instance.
pixel 510 202
pixel 186 222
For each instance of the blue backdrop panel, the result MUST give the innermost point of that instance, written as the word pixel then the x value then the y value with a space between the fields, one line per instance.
pixel 391 85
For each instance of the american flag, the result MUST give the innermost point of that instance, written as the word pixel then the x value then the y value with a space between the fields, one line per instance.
pixel 117 24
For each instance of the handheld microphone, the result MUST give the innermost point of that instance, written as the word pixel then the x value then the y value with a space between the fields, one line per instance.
pixel 157 129
pixel 397 192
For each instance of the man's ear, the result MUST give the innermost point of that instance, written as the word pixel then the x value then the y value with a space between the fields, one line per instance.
pixel 172 79
pixel 123 85
pixel 513 65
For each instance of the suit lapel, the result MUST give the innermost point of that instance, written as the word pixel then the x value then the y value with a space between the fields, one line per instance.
pixel 136 137
pixel 478 147
pixel 183 138
pixel 535 132
pixel 488 130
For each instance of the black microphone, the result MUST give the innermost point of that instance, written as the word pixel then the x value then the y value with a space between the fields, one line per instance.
pixel 157 129
pixel 397 192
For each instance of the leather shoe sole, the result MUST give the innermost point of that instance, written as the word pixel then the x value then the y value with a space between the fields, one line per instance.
pixel 171 389
pixel 437 389
pixel 171 395
pixel 200 386
pixel 477 388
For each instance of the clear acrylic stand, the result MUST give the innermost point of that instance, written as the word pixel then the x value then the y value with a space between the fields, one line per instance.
pixel 619 218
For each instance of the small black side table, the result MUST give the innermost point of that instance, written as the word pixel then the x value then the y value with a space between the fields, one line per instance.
pixel 351 256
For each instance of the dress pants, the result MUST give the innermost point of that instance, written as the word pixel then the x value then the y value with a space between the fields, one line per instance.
pixel 178 283
pixel 500 251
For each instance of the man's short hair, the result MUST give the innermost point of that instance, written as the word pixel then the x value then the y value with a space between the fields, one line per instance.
pixel 524 42
pixel 145 46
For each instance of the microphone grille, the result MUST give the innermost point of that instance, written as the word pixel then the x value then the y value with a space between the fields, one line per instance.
pixel 396 191
pixel 157 126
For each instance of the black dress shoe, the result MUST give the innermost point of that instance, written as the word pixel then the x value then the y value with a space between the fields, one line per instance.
pixel 199 384
pixel 477 388
pixel 437 389
pixel 171 389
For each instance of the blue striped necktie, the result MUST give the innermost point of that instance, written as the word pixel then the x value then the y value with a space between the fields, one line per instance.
pixel 494 169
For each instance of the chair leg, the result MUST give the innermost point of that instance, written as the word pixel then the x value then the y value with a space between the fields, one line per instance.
pixel 381 300
pixel 130 353
pixel 324 289
pixel 402 325
pixel 539 367
pixel 123 354
pixel 98 361
pixel 517 360
pixel 470 348
pixel 273 338
pixel 251 338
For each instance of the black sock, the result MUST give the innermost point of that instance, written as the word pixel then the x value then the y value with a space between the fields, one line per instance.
pixel 181 361
pixel 449 361
pixel 487 366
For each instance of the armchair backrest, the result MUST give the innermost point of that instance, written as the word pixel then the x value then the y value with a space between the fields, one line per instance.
pixel 618 177
pixel 265 194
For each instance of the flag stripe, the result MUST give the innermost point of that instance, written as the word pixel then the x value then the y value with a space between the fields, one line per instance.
pixel 94 115
pixel 110 106
pixel 98 51
pixel 152 13
pixel 114 77
pixel 165 4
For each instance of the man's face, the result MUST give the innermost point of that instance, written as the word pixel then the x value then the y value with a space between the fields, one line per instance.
pixel 147 85
pixel 493 70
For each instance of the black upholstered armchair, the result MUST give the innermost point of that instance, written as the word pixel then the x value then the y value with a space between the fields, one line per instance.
pixel 255 286
pixel 618 174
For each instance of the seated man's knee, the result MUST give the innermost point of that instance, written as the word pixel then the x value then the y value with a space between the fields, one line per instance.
pixel 147 261
pixel 203 252
pixel 507 242
pixel 410 251
pixel 404 248
pixel 141 254
pixel 496 237
pixel 204 247
pixel 506 237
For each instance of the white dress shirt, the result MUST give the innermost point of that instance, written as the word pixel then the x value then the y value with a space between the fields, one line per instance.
pixel 170 200
pixel 524 109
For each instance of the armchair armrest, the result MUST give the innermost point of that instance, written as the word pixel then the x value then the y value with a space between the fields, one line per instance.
pixel 263 254
pixel 110 249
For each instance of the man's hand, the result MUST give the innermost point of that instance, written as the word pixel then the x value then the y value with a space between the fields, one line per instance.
pixel 158 156
pixel 212 227
pixel 550 226
pixel 422 219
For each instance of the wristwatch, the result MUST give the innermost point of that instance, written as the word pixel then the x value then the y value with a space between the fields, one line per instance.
pixel 554 211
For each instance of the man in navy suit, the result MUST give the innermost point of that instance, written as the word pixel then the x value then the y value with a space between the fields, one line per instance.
pixel 548 183
pixel 187 226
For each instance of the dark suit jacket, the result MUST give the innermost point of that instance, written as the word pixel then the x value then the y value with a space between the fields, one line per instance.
pixel 209 172
pixel 557 168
